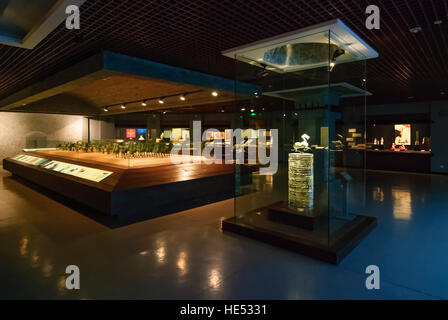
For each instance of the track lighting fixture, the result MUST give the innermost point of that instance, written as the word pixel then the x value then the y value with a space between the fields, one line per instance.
pixel 263 73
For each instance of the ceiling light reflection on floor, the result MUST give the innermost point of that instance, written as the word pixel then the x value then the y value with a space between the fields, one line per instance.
pixel 182 263
pixel 161 254
pixel 214 278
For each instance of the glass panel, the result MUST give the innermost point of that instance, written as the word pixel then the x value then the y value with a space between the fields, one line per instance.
pixel 347 133
pixel 292 106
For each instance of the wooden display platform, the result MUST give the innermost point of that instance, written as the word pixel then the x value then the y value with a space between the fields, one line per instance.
pixel 132 191
pixel 308 219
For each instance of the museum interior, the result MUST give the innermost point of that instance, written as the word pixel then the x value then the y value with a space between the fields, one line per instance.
pixel 224 150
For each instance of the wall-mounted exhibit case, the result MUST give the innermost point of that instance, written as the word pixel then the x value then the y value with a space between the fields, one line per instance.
pixel 312 204
pixel 397 142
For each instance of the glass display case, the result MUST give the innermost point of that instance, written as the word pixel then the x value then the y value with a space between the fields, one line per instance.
pixel 312 200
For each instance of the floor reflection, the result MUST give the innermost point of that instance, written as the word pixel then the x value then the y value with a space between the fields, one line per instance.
pixel 182 263
pixel 187 256
pixel 402 202
pixel 214 278
pixel 378 194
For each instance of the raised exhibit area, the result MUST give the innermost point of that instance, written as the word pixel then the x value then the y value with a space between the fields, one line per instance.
pixel 124 191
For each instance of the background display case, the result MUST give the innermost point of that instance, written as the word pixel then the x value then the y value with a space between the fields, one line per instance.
pixel 314 202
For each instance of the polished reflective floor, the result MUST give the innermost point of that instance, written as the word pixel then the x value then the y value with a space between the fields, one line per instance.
pixel 186 256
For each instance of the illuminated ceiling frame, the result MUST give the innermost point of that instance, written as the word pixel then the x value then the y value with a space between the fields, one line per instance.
pixel 334 31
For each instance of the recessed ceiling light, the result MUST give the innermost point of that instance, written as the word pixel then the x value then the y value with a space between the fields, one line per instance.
pixel 123 106
pixel 182 97
pixel 243 109
pixel 161 101
pixel 214 93
pixel 144 104
pixel 252 110
pixel 415 29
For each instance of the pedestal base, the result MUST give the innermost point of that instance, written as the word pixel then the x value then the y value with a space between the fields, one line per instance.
pixel 308 219
pixel 333 251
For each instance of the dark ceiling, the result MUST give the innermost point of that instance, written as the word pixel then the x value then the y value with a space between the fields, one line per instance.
pixel 192 34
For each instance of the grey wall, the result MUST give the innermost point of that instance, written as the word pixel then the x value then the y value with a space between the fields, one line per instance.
pixel 27 130
pixel 101 130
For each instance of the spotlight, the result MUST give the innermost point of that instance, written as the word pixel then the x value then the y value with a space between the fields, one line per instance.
pixel 252 110
pixel 214 93
pixel 182 97
pixel 161 101
pixel 144 103
pixel 222 110
pixel 123 106
pixel 106 109
pixel 243 109
pixel 337 53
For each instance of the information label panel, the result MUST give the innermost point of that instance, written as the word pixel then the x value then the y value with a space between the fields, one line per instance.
pixel 91 174
pixel 35 161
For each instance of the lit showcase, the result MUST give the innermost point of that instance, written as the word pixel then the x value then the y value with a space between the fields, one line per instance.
pixel 313 203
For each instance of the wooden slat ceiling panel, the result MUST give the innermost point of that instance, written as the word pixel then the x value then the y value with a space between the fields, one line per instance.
pixel 192 34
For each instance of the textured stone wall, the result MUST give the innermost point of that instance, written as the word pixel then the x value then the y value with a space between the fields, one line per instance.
pixel 28 130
